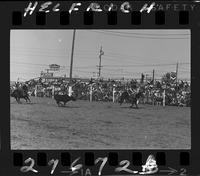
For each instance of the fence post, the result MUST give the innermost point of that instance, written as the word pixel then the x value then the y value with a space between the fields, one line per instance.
pixel 114 94
pixel 70 91
pixel 164 97
pixel 152 98
pixel 53 91
pixel 35 91
pixel 90 92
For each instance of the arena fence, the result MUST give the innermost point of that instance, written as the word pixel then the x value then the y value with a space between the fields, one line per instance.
pixel 38 92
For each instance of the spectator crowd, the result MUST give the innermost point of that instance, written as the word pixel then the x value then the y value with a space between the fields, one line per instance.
pixel 177 93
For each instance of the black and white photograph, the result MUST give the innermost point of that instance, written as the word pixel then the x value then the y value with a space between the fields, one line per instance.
pixel 100 89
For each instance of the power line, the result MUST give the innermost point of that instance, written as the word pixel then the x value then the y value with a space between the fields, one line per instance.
pixel 118 57
pixel 148 34
pixel 133 56
pixel 109 54
pixel 129 58
pixel 49 49
pixel 35 54
pixel 26 63
pixel 54 56
pixel 125 35
pixel 131 36
pixel 144 65
pixel 25 73
pixel 92 66
pixel 62 67
pixel 47 54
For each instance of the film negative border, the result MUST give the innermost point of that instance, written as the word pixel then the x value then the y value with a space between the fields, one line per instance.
pixel 112 15
pixel 88 162
pixel 160 157
pixel 88 18
pixel 175 162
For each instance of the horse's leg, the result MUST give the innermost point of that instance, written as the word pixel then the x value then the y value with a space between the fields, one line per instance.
pixel 25 99
pixel 19 100
pixel 132 103
pixel 136 104
pixel 121 101
pixel 16 99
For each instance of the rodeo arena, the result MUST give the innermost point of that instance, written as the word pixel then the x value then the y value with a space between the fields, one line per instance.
pixel 169 93
pixel 55 111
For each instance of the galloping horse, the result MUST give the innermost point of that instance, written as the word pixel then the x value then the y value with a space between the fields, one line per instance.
pixel 131 98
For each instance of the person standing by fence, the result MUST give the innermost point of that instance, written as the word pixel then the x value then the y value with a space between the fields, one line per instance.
pixel 164 97
pixel 114 91
pixel 90 92
pixel 53 91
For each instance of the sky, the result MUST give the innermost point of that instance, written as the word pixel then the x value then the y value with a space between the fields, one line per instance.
pixel 127 53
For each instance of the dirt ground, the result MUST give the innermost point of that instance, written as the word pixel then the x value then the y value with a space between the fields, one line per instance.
pixel 98 125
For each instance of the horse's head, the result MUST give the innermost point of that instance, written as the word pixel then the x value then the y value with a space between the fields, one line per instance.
pixel 12 93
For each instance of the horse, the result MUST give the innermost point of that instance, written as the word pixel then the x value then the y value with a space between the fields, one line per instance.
pixel 131 98
pixel 20 93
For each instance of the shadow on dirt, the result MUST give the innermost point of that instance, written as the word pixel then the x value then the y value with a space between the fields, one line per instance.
pixel 128 107
pixel 68 106
pixel 22 103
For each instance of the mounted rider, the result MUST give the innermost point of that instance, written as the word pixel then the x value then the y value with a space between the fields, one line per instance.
pixel 132 91
pixel 24 88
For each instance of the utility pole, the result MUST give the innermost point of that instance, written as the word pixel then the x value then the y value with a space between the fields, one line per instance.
pixel 146 77
pixel 72 55
pixel 153 75
pixel 176 74
pixel 101 53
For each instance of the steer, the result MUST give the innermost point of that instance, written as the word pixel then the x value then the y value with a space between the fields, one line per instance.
pixel 63 98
